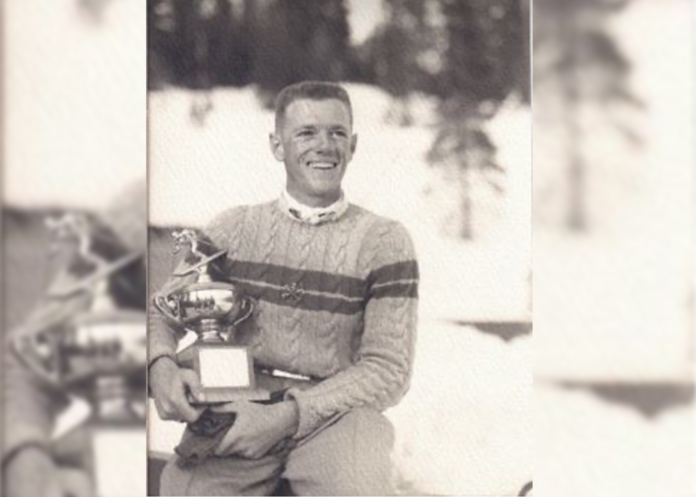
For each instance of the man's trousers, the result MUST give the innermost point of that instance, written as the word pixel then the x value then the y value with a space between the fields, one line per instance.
pixel 349 457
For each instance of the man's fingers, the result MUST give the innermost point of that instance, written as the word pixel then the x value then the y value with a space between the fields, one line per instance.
pixel 76 483
pixel 191 380
pixel 186 411
pixel 177 408
pixel 228 442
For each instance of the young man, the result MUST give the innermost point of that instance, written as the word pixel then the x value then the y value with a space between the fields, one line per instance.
pixel 336 287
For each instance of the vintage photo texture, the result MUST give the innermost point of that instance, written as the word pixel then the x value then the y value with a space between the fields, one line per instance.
pixel 613 218
pixel 441 108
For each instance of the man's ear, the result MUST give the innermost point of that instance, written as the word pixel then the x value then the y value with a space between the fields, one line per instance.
pixel 353 143
pixel 276 145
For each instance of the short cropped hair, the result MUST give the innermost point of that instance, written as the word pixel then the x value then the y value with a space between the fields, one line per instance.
pixel 309 90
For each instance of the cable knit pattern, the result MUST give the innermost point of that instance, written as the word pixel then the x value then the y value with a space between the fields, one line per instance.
pixel 337 301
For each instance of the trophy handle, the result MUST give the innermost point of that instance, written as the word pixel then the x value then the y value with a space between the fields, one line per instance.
pixel 161 302
pixel 246 302
pixel 22 348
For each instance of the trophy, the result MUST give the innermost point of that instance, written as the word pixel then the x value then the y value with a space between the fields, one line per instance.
pixel 83 343
pixel 212 309
pixel 100 357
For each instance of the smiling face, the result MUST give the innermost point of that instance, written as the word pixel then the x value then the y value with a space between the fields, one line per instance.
pixel 315 141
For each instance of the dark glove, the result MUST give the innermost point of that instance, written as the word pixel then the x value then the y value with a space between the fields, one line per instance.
pixel 203 435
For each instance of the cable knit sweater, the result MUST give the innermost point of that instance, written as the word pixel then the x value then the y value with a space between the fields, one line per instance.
pixel 337 301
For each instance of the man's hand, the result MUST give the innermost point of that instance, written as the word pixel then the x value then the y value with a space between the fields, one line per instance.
pixel 33 472
pixel 170 385
pixel 258 428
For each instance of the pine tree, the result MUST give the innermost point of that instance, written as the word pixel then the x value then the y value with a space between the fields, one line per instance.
pixel 580 64
pixel 484 38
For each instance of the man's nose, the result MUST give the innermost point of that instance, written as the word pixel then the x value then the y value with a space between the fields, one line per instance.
pixel 325 141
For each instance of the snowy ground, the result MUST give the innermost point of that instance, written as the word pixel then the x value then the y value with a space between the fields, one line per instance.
pixel 586 446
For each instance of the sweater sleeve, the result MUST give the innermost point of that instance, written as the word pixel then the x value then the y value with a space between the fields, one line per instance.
pixel 30 405
pixel 163 333
pixel 381 373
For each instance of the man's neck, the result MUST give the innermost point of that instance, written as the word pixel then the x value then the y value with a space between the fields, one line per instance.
pixel 314 202
pixel 313 215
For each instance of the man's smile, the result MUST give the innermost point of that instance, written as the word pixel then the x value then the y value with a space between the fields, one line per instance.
pixel 325 165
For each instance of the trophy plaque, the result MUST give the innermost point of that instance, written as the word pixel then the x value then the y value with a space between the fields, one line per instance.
pixel 212 309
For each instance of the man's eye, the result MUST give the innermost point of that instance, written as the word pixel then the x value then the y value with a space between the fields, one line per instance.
pixel 306 132
pixel 340 134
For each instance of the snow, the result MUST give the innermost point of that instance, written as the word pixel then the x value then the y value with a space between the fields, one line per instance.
pixel 587 446
pixel 465 427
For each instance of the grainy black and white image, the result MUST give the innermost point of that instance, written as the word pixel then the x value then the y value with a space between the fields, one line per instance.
pixel 341 192
pixel 73 249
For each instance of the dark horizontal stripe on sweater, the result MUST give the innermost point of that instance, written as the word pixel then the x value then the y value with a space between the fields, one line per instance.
pixel 301 299
pixel 323 291
pixel 406 270
pixel 406 289
pixel 316 281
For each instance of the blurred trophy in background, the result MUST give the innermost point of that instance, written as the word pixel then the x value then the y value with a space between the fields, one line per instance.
pixel 212 309
pixel 89 347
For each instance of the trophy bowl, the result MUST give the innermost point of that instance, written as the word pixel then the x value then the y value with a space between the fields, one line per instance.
pixel 91 346
pixel 196 304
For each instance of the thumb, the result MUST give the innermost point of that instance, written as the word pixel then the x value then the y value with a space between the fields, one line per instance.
pixel 76 483
pixel 190 380
pixel 226 407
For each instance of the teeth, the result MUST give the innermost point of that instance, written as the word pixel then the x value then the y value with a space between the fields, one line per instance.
pixel 322 165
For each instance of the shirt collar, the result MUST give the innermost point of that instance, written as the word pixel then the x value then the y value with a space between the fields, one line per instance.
pixel 312 215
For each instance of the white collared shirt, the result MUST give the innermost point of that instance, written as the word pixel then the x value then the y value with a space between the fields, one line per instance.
pixel 312 215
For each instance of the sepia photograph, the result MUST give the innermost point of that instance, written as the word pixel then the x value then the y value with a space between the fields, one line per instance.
pixel 339 250
pixel 317 216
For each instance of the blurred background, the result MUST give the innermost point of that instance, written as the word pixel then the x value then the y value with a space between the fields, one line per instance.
pixel 440 91
pixel 613 226
pixel 73 143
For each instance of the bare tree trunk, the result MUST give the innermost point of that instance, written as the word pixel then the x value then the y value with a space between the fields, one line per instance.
pixel 576 216
pixel 577 220
pixel 250 25
pixel 467 229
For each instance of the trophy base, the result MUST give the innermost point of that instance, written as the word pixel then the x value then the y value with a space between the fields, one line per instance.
pixel 226 372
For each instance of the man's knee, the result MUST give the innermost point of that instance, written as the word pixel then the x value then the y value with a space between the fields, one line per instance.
pixel 351 457
pixel 371 427
pixel 172 479
pixel 221 476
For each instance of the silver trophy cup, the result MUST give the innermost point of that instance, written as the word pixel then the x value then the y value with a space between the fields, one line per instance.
pixel 212 310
